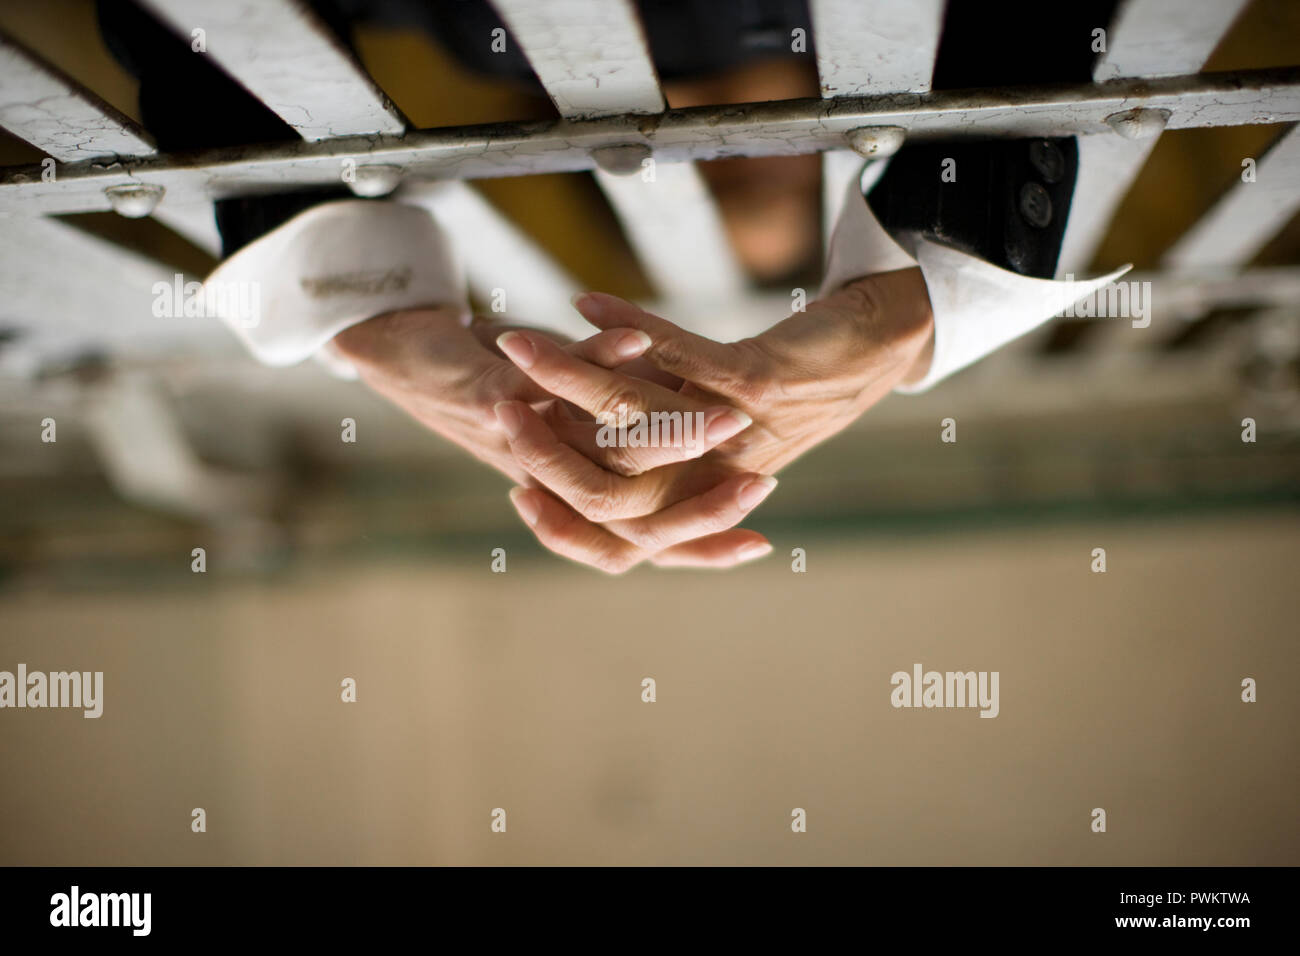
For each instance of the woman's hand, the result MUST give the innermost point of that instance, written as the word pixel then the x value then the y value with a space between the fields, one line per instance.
pixel 427 362
pixel 801 382
pixel 804 379
pixel 452 380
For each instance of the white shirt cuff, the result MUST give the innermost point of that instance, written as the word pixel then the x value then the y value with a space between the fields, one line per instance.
pixel 288 293
pixel 978 307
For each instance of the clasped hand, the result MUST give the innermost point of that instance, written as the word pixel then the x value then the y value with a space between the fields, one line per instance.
pixel 534 408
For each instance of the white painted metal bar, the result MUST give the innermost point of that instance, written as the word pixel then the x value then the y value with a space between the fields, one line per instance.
pixel 868 48
pixel 1193 296
pixel 58 280
pixel 49 110
pixel 286 58
pixel 197 222
pixel 789 127
pixel 1245 219
pixel 1164 37
pixel 71 292
pixel 675 228
pixel 1171 301
pixel 592 58
pixel 327 94
pixel 1108 165
pixel 589 55
pixel 68 290
pixel 149 459
pixel 502 264
pixel 838 167
pixel 1147 38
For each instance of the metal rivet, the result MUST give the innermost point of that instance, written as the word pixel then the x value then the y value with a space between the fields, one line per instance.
pixel 875 142
pixel 371 182
pixel 1047 159
pixel 134 200
pixel 1035 205
pixel 1138 123
pixel 622 159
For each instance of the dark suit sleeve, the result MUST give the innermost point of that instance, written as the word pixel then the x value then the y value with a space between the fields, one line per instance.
pixel 1005 201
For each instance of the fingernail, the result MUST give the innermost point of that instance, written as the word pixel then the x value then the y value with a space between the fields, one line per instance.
pixel 508 418
pixel 632 344
pixel 755 549
pixel 586 303
pixel 755 491
pixel 721 425
pixel 517 348
pixel 525 505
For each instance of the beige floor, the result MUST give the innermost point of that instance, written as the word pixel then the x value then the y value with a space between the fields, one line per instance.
pixel 522 691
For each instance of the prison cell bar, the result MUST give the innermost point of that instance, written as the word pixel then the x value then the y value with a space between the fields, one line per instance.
pixel 667 212
pixel 788 127
pixel 869 48
pixel 674 136
pixel 1221 243
pixel 328 95
pixel 41 105
pixel 68 290
pixel 280 52
pixel 1147 38
pixel 1248 216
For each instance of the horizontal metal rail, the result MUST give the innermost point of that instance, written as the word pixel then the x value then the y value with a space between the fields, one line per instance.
pixel 1164 37
pixel 788 127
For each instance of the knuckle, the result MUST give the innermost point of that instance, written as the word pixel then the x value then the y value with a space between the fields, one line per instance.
pixel 593 505
pixel 542 461
pixel 673 355
pixel 861 298
pixel 532 458
pixel 751 380
pixel 622 460
pixel 650 535
pixel 622 396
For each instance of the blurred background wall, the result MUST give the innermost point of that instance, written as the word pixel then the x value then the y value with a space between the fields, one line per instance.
pixel 523 691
